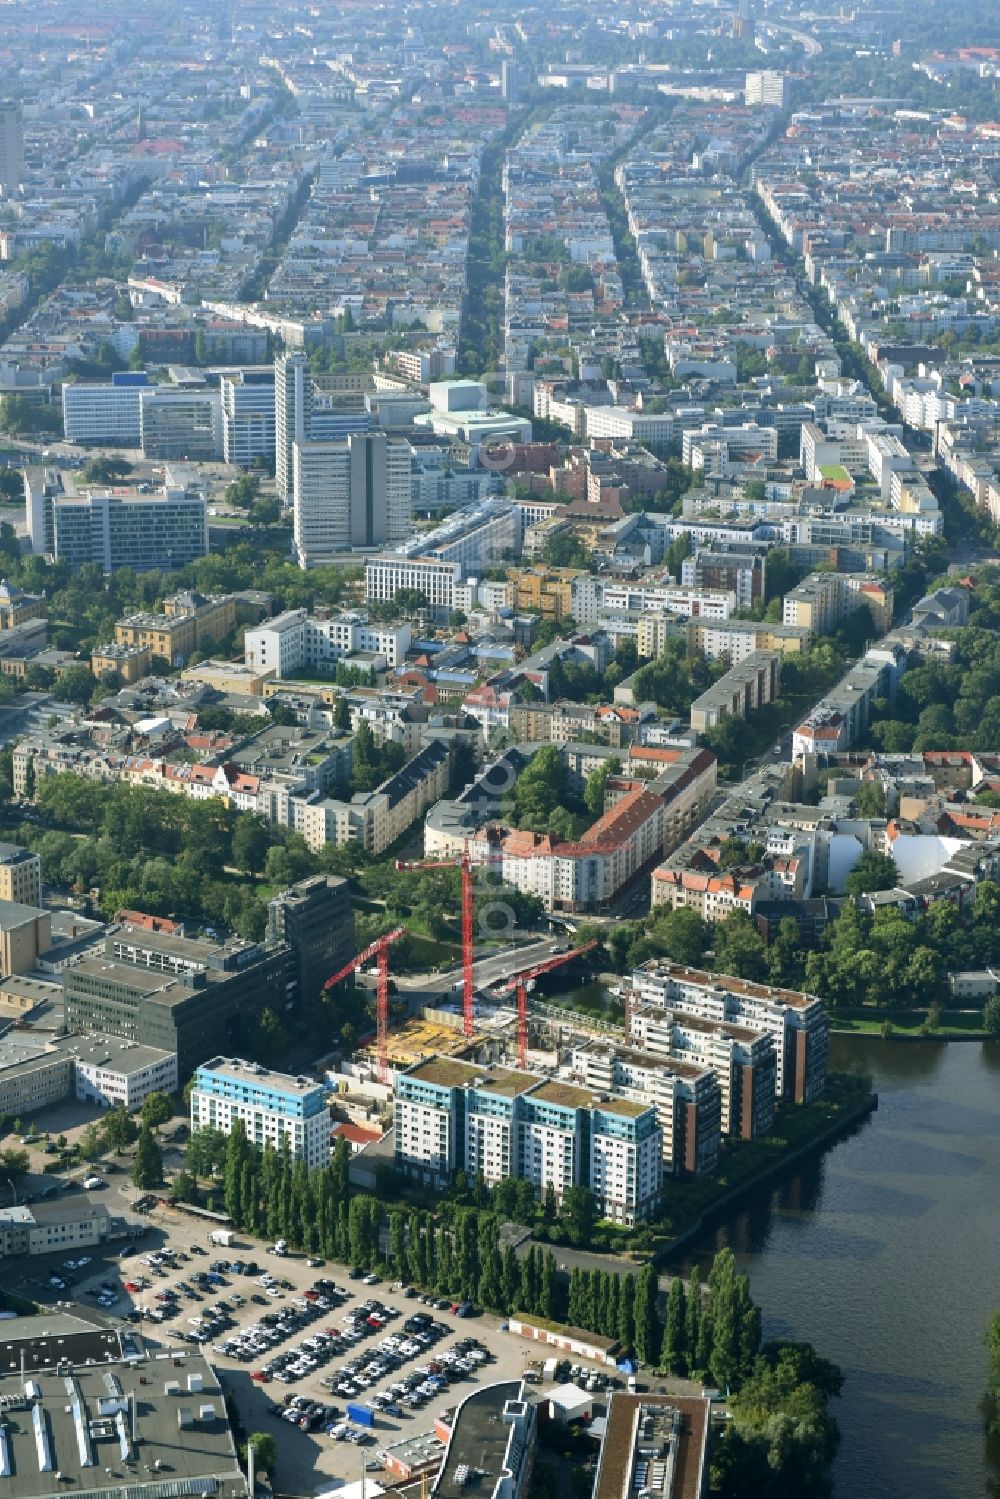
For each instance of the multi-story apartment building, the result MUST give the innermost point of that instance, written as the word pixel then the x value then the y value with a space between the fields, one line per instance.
pixel 668 598
pixel 736 639
pixel 376 820
pixel 20 875
pixel 274 1108
pixel 795 1022
pixel 723 571
pixel 750 684
pixel 742 1060
pixel 140 531
pixel 11 148
pixel 296 640
pixel 685 1095
pixel 454 1116
pixel 822 600
pixel 656 430
pixel 352 492
pixel 248 416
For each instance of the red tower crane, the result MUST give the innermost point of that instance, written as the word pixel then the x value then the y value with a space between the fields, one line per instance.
pixel 521 985
pixel 379 950
pixel 464 863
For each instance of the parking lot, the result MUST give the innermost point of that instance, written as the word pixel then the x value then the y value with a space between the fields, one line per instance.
pixel 268 1327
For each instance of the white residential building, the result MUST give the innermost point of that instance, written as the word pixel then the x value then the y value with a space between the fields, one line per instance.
pixel 295 640
pixel 275 1109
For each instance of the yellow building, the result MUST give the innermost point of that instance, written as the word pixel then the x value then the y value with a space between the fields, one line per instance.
pixel 189 622
pixel 16 606
pixel 20 875
pixel 129 662
pixel 545 591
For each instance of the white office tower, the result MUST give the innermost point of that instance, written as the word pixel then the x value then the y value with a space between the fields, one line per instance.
pixel 293 407
pixel 11 148
pixel 353 492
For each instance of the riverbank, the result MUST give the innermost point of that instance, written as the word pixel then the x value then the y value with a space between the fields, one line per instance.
pixel 911 1025
pixel 747 1166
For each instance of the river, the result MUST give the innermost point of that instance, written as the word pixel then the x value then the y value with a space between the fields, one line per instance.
pixel 884 1254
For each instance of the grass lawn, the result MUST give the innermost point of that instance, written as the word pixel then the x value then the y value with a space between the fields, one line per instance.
pixel 967 1024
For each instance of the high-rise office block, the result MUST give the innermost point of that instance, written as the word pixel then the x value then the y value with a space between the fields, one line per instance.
pixel 248 404
pixel 293 406
pixel 11 149
pixel 509 81
pixel 315 919
pixel 353 492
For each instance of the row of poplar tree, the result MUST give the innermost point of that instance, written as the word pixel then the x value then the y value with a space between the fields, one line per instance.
pixel 711 1330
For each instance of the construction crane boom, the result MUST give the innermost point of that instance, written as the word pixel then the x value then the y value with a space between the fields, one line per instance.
pixel 379 950
pixel 464 863
pixel 521 982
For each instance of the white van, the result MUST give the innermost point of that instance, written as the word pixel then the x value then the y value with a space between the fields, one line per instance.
pixel 90 1183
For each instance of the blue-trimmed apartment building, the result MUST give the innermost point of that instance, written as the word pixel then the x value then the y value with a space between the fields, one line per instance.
pixel 273 1106
pixel 496 1123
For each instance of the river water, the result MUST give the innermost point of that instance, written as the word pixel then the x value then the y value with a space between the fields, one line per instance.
pixel 885 1254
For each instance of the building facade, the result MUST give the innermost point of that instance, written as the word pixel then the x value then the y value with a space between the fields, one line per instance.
pixel 275 1108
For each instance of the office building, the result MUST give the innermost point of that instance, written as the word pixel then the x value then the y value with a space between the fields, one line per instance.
pixel 180 424
pixel 293 409
pixel 25 934
pixel 104 413
pixel 47 1228
pixel 248 417
pixel 140 531
pixel 509 82
pixel 768 88
pixel 655 1443
pixel 352 492
pixel 314 918
pixel 496 1123
pixel 109 1072
pixel 41 485
pixel 191 996
pixel 11 149
pixel 796 1022
pixel 493 1435
pixel 275 1109
pixel 97 1406
pixel 20 875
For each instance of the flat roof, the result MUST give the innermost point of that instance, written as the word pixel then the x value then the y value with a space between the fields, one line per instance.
pixel 182 1442
pixel 478 1442
pixel 673 1429
pixel 511 1084
pixel 46 1339
pixel 566 1095
pixel 446 1072
pixel 251 1072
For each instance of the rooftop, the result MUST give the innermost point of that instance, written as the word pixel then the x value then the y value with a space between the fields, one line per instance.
pixel 154 1428
pixel 479 1441
pixel 672 1432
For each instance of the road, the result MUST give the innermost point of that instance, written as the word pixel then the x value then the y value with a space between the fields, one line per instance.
pixel 505 964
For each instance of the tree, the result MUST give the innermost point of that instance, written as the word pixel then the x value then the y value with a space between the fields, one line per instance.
pixel 265 1450
pixel 870 799
pixel 991 1015
pixel 148 1168
pixel 647 1329
pixel 251 841
pixel 91 1142
pixel 597 781
pixel 673 1355
pixel 342 715
pixel 183 1188
pixel 75 684
pixel 873 871
pixel 156 1110
pixel 578 1214
pixel 14 1163
pixel 120 1129
pixel 626 1313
